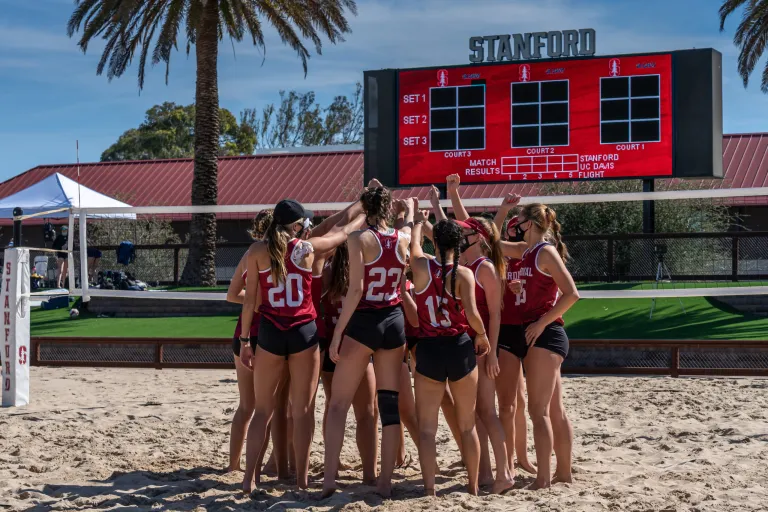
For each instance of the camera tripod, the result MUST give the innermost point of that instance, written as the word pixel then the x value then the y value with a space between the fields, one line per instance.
pixel 662 271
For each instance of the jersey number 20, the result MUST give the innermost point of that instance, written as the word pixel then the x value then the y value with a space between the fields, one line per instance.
pixel 294 295
pixel 380 275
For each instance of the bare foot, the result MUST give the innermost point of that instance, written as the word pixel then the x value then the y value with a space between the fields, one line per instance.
pixel 367 480
pixel 503 485
pixel 328 490
pixel 384 489
pixel 231 469
pixel 536 485
pixel 562 479
pixel 526 466
pixel 247 486
pixel 472 490
pixel 429 492
pixel 486 480
pixel 270 468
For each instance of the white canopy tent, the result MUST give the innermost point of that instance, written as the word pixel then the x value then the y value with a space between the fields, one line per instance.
pixel 57 192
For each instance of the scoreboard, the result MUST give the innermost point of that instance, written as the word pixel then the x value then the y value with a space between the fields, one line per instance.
pixel 628 116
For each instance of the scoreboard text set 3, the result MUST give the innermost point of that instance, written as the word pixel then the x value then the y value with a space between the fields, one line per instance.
pixel 635 116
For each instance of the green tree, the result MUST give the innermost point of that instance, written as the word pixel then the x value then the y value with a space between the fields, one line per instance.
pixel 299 121
pixel 129 28
pixel 168 131
pixel 751 35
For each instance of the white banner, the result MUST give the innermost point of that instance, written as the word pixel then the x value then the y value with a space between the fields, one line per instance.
pixel 15 355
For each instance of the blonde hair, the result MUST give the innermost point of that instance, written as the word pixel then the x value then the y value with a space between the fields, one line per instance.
pixel 277 238
pixel 545 219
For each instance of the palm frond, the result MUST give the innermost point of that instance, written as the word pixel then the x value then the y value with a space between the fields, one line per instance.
pixel 166 41
pixel 751 36
pixel 727 9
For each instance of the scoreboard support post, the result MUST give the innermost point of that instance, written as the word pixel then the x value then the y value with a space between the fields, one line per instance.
pixel 649 209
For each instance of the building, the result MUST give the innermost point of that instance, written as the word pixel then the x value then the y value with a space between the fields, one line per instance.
pixel 331 174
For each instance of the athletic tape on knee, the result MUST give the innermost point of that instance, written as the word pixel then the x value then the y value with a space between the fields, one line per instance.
pixel 388 408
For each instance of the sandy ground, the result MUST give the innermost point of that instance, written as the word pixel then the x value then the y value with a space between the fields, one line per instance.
pixel 121 439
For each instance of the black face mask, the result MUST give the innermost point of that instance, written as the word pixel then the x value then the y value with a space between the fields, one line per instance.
pixel 466 244
pixel 519 233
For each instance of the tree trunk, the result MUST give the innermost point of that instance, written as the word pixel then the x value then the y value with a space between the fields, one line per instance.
pixel 200 269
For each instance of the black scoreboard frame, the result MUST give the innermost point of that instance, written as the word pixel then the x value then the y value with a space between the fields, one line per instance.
pixel 697 117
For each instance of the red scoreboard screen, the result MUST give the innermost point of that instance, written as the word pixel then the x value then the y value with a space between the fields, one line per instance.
pixel 547 120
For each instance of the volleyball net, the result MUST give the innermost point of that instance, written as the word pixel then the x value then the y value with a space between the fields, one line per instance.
pixel 708 256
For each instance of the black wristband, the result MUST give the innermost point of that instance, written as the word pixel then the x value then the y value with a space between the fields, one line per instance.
pixel 245 340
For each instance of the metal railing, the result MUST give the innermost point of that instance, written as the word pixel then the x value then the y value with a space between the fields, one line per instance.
pixel 635 357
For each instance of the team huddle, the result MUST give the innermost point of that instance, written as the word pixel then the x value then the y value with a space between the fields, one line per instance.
pixel 357 303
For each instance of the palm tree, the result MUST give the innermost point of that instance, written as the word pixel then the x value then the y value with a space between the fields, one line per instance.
pixel 129 26
pixel 751 35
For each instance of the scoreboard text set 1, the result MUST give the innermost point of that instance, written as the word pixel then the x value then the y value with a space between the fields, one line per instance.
pixel 632 116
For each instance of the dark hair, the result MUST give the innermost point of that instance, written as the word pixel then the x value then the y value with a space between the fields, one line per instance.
pixel 261 223
pixel 545 219
pixel 339 273
pixel 448 236
pixel 377 204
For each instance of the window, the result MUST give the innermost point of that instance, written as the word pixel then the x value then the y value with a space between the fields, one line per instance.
pixel 629 109
pixel 540 114
pixel 457 118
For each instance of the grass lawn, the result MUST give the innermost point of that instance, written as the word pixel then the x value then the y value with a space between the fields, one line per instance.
pixel 589 318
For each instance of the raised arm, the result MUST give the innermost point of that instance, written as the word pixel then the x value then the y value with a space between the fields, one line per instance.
pixel 336 237
pixel 509 202
pixel 343 217
pixel 453 193
pixel 354 293
pixel 419 219
pixel 550 262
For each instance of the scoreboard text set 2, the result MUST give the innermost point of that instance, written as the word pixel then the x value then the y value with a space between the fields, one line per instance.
pixel 632 116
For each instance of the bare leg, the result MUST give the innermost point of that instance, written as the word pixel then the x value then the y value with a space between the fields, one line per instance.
pixel 305 369
pixel 508 381
pixel 429 395
pixel 449 412
pixel 367 431
pixel 387 365
pixel 267 369
pixel 279 428
pixel 563 435
pixel 401 453
pixel 486 472
pixel 352 365
pixel 465 398
pixel 407 406
pixel 242 414
pixel 542 368
pixel 486 409
pixel 521 430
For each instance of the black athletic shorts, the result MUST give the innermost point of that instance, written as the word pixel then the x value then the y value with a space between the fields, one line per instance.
pixel 553 338
pixel 93 252
pixel 285 343
pixel 378 329
pixel 411 341
pixel 446 357
pixel 327 364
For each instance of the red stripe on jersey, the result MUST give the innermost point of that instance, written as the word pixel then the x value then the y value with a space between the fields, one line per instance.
pixel 288 303
pixel 512 313
pixel 254 321
pixel 539 289
pixel 381 281
pixel 439 315
pixel 480 298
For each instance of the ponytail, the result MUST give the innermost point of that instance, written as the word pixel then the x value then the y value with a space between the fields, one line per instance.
pixel 556 229
pixel 339 273
pixel 493 249
pixel 277 237
pixel 448 235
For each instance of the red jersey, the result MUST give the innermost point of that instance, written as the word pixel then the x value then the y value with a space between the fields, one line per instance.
pixel 317 297
pixel 480 298
pixel 410 331
pixel 539 289
pixel 439 316
pixel 254 321
pixel 512 312
pixel 289 303
pixel 331 312
pixel 381 281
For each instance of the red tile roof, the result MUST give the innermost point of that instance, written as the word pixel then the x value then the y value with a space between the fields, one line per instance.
pixel 331 176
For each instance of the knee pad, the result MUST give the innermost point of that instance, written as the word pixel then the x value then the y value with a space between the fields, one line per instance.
pixel 388 408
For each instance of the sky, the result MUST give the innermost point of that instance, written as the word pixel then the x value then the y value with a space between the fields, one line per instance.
pixel 50 95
